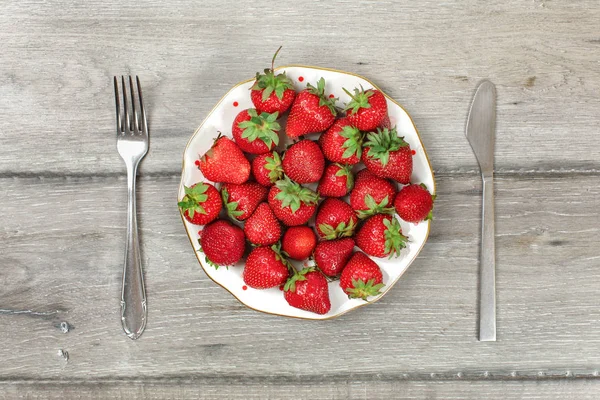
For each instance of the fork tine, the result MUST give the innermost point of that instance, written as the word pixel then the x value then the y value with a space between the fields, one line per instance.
pixel 143 121
pixel 127 121
pixel 134 115
pixel 118 104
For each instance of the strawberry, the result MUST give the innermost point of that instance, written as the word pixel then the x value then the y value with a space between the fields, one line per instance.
pixel 335 219
pixel 299 242
pixel 292 204
pixel 267 169
pixel 312 111
pixel 272 93
pixel 342 143
pixel 371 194
pixel 332 255
pixel 254 133
pixel 266 268
pixel 303 162
pixel 262 228
pixel 201 203
pixel 308 290
pixel 414 203
pixel 387 155
pixel 361 277
pixel 241 200
pixel 381 236
pixel 216 164
pixel 337 181
pixel 222 243
pixel 367 109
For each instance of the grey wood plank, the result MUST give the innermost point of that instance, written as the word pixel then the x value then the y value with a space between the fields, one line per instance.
pixel 58 57
pixel 61 254
pixel 401 390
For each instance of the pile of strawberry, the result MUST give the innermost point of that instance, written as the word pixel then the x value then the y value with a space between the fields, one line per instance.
pixel 261 190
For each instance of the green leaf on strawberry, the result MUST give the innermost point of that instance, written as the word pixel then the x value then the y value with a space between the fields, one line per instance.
pixel 290 285
pixel 263 127
pixel 374 207
pixel 342 230
pixel 395 241
pixel 363 290
pixel 272 83
pixel 324 100
pixel 353 143
pixel 346 170
pixel 230 206
pixel 274 167
pixel 192 199
pixel 382 142
pixel 360 99
pixel 293 195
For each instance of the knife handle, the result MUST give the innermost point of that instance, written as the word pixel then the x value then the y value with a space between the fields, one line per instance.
pixel 487 274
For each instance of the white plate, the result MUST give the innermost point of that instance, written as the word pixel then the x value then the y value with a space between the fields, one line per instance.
pixel 221 118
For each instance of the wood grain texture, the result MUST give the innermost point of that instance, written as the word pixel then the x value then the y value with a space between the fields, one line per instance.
pixel 58 58
pixel 398 390
pixel 62 255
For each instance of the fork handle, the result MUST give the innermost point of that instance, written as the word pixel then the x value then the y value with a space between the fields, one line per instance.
pixel 133 295
pixel 487 268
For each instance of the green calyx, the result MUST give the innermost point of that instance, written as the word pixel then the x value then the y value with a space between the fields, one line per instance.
pixel 270 83
pixel 230 206
pixel 281 255
pixel 363 290
pixel 273 165
pixel 374 207
pixel 193 198
pixel 346 170
pixel 212 263
pixel 382 142
pixel 290 285
pixel 429 216
pixel 353 144
pixel 263 127
pixel 360 99
pixel 342 230
pixel 395 241
pixel 293 195
pixel 324 100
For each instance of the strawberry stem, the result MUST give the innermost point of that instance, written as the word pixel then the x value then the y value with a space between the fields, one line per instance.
pixel 273 60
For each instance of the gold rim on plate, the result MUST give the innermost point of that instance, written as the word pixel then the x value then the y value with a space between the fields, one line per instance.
pixel 389 286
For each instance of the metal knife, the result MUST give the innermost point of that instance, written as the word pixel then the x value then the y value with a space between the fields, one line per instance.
pixel 481 127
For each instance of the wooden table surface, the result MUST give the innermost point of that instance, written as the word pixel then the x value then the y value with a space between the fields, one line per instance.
pixel 62 207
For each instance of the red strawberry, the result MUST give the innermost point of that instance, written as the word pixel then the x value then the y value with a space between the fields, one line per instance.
pixel 299 242
pixel 332 255
pixel 381 236
pixel 303 162
pixel 387 155
pixel 241 200
pixel 414 203
pixel 361 277
pixel 222 243
pixel 217 163
pixel 292 204
pixel 337 181
pixel 272 93
pixel 201 203
pixel 262 228
pixel 367 109
pixel 371 194
pixel 266 268
pixel 342 143
pixel 254 133
pixel 308 290
pixel 267 168
pixel 312 111
pixel 335 219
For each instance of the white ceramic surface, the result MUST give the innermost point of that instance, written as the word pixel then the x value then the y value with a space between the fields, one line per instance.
pixel 221 119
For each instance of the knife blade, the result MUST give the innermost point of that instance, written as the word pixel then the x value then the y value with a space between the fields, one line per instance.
pixel 480 132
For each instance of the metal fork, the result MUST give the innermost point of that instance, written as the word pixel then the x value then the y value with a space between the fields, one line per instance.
pixel 132 144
